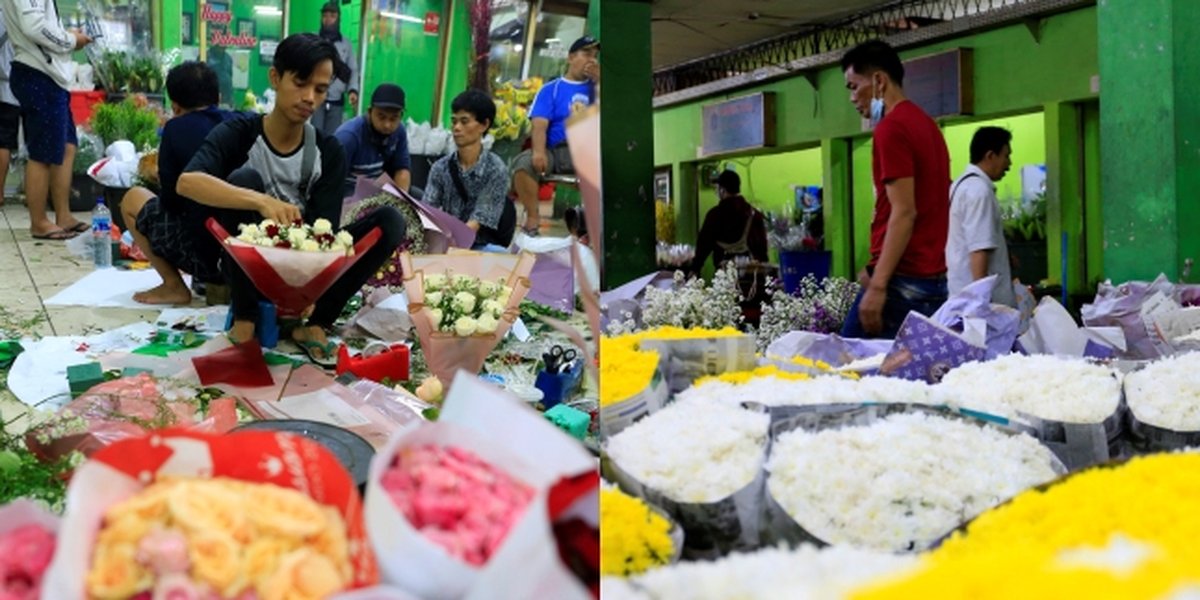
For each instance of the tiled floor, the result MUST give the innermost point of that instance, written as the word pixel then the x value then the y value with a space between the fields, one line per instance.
pixel 32 271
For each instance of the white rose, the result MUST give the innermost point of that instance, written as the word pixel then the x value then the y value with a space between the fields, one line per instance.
pixel 266 223
pixel 297 235
pixel 268 242
pixel 465 282
pixel 435 281
pixel 310 246
pixel 489 289
pixel 345 239
pixel 487 324
pixel 247 237
pixel 249 229
pixel 322 226
pixel 435 317
pixel 433 298
pixel 465 326
pixel 493 308
pixel 464 302
pixel 505 295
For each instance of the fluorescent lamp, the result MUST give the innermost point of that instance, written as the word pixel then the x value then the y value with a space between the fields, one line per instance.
pixel 553 41
pixel 269 11
pixel 400 17
pixel 518 48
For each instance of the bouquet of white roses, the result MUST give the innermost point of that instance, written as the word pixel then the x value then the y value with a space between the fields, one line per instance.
pixel 463 303
pixel 292 279
pixel 318 237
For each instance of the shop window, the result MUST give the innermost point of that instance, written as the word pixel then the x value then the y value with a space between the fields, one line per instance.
pixel 514 58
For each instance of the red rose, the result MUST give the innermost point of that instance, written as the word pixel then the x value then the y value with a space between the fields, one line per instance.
pixel 297 223
pixel 272 230
pixel 283 244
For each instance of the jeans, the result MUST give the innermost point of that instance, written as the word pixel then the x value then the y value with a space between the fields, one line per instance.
pixel 904 294
pixel 244 296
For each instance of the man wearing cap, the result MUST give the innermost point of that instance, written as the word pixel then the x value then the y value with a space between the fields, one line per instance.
pixel 376 143
pixel 555 103
pixel 329 113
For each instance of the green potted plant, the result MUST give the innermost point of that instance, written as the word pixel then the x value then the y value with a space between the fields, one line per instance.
pixel 1025 232
pixel 129 120
pixel 84 189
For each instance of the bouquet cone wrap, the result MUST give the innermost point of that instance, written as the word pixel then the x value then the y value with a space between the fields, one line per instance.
pixel 292 279
pixel 617 416
pixel 126 467
pixel 446 353
pixel 780 526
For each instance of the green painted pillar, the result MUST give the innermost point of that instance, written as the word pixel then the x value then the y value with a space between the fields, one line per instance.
pixel 839 220
pixel 626 141
pixel 1149 136
pixel 1064 196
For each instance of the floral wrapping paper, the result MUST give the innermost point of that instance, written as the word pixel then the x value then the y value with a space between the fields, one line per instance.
pixel 126 467
pixel 926 351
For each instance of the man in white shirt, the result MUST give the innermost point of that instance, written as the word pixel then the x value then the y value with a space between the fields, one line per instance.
pixel 10 110
pixel 40 77
pixel 975 247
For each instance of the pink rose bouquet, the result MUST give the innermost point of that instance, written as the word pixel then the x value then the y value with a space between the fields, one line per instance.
pixel 27 544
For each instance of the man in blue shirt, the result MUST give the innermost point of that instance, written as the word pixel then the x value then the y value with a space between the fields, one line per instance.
pixel 168 227
pixel 377 143
pixel 555 103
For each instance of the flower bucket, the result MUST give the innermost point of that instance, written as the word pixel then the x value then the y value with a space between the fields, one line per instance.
pixel 795 264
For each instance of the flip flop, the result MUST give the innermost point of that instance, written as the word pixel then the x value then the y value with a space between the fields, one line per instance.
pixel 56 235
pixel 79 227
pixel 531 231
pixel 328 349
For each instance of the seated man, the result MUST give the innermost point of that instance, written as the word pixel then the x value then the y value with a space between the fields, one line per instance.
pixel 554 104
pixel 168 227
pixel 377 143
pixel 280 167
pixel 472 183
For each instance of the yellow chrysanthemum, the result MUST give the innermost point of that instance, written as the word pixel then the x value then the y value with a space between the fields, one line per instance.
pixel 741 377
pixel 1030 547
pixel 624 370
pixel 633 538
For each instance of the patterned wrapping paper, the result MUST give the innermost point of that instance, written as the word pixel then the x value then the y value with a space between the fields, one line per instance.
pixel 619 415
pixel 684 361
pixel 926 351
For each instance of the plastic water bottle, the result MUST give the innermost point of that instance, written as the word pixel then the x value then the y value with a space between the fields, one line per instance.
pixel 102 235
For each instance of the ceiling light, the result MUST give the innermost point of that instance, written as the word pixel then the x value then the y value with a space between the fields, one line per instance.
pixel 518 48
pixel 400 17
pixel 268 11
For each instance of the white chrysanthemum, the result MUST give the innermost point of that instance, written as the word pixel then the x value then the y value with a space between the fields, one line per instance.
pixel 435 317
pixel 310 246
pixel 902 482
pixel 322 226
pixel 806 572
pixel 1047 387
pixel 1166 393
pixel 465 326
pixel 487 324
pixel 464 302
pixel 693 450
pixel 774 391
pixel 435 281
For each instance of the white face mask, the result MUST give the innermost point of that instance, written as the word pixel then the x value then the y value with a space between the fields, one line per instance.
pixel 877 107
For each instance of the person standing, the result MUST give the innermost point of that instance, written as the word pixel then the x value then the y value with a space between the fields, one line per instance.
pixel 330 113
pixel 41 73
pixel 472 183
pixel 555 103
pixel 10 110
pixel 732 228
pixel 376 143
pixel 911 168
pixel 280 167
pixel 976 247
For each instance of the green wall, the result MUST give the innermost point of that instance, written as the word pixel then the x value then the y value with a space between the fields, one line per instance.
pixel 1028 148
pixel 1015 74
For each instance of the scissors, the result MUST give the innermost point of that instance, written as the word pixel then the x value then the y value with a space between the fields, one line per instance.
pixel 557 357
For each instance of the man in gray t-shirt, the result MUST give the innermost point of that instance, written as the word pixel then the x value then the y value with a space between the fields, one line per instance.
pixel 975 247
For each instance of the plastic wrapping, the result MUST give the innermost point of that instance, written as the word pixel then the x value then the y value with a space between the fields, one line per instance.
pixel 684 361
pixel 617 416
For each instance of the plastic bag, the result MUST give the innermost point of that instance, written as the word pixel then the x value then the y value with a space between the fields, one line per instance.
pixel 118 167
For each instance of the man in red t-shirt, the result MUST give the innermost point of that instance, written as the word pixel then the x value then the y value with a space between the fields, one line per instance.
pixel 911 168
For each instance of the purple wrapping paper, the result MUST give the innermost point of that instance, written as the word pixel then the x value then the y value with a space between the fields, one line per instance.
pixel 926 351
pixel 447 230
pixel 826 347
pixel 975 302
pixel 552 281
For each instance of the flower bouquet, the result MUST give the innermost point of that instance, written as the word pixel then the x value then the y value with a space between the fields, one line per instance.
pixel 464 511
pixel 292 265
pixel 428 230
pixel 462 304
pixel 189 515
pixel 27 543
pixel 129 407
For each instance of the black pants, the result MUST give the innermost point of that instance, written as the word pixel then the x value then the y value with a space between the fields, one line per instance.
pixel 244 297
pixel 502 235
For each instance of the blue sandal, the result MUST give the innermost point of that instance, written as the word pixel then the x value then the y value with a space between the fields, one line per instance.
pixel 328 358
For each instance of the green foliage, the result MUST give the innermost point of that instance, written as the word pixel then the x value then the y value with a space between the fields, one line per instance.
pixel 1026 223
pixel 126 121
pixel 128 73
pixel 87 154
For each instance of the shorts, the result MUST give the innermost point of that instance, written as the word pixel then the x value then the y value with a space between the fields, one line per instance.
pixel 558 161
pixel 10 124
pixel 45 112
pixel 172 236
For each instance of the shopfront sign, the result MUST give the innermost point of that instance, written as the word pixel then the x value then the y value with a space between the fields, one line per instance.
pixel 739 124
pixel 223 36
pixel 432 23
pixel 212 15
